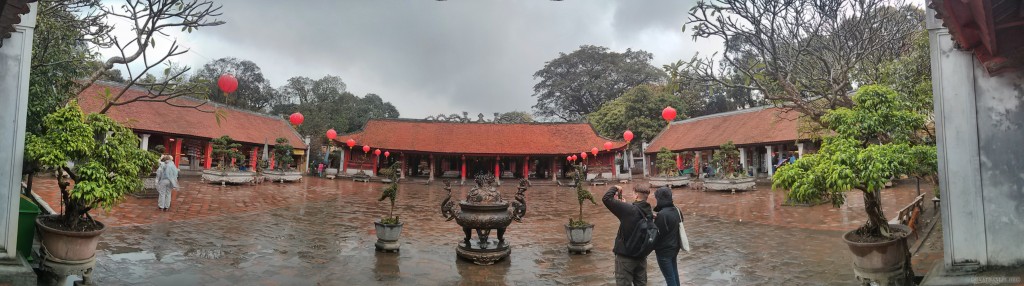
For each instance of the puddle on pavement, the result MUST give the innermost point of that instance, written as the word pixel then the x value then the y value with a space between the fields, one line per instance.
pixel 727 275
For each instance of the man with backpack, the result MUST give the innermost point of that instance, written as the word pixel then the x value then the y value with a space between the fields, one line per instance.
pixel 636 236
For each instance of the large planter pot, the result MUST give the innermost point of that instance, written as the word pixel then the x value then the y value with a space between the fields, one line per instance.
pixel 387 236
pixel 724 184
pixel 282 176
pixel 671 182
pixel 579 238
pixel 880 262
pixel 225 177
pixel 69 246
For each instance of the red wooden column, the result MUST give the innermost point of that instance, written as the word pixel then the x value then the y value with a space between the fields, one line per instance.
pixel 271 160
pixel 177 152
pixel 526 168
pixel 611 162
pixel 209 155
pixel 679 161
pixel 376 160
pixel 255 159
pixel 344 160
pixel 463 168
pixel 497 168
pixel 696 163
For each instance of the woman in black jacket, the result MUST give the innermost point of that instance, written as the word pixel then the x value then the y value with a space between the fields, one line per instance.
pixel 668 244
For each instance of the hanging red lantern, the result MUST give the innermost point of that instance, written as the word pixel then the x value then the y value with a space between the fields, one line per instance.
pixel 628 135
pixel 387 154
pixel 668 114
pixel 351 143
pixel 296 118
pixel 583 155
pixel 366 149
pixel 593 151
pixel 331 134
pixel 227 83
pixel 376 152
pixel 607 146
pixel 574 157
pixel 568 158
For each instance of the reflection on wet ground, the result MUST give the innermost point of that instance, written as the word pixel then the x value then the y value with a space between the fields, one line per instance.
pixel 326 238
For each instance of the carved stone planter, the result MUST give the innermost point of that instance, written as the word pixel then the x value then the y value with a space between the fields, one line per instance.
pixel 742 184
pixel 387 236
pixel 148 190
pixel 232 177
pixel 579 238
pixel 282 176
pixel 671 182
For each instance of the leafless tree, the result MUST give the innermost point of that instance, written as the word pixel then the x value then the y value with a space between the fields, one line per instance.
pixel 800 53
pixel 150 20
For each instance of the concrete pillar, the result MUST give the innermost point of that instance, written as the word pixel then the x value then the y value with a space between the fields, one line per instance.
pixel 643 159
pixel 403 167
pixel 743 159
pixel 144 144
pixel 341 158
pixel 799 150
pixel 15 63
pixel 431 167
pixel 768 160
pixel 554 171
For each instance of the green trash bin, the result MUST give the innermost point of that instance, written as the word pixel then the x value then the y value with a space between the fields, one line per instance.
pixel 27 213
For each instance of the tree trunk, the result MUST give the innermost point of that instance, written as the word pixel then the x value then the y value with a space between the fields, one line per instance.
pixel 581 212
pixel 876 225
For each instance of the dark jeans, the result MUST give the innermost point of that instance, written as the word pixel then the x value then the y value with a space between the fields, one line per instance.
pixel 630 271
pixel 667 263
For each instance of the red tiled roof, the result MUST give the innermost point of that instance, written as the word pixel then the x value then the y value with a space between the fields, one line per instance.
pixel 479 138
pixel 745 127
pixel 160 117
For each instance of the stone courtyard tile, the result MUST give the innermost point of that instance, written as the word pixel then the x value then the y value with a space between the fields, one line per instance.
pixel 320 232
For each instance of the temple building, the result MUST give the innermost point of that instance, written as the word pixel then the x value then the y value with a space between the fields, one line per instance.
pixel 186 132
pixel 763 136
pixel 460 150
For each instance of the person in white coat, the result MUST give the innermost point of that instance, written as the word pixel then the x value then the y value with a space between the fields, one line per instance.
pixel 166 180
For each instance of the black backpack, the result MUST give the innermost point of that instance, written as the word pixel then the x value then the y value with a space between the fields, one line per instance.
pixel 641 241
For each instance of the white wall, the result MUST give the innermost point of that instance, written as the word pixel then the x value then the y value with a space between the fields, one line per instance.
pixel 980 134
pixel 15 59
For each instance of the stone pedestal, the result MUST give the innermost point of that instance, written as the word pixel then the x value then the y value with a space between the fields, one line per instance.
pixel 16 271
pixel 63 269
pixel 580 248
pixel 486 253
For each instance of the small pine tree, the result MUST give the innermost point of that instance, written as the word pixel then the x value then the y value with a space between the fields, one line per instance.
pixel 225 149
pixel 666 162
pixel 582 194
pixel 283 155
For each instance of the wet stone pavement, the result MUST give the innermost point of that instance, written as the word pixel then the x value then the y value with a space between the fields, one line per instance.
pixel 320 232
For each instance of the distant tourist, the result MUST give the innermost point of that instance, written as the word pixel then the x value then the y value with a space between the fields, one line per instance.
pixel 166 179
pixel 320 170
pixel 668 243
pixel 632 245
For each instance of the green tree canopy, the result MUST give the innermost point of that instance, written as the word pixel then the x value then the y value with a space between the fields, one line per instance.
pixel 254 91
pixel 874 142
pixel 576 84
pixel 514 117
pixel 283 154
pixel 638 110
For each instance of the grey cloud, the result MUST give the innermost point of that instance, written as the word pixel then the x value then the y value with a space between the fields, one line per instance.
pixel 430 57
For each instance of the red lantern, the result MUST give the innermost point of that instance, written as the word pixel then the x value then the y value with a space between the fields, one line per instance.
pixel 568 158
pixel 583 155
pixel 366 149
pixel 331 134
pixel 296 118
pixel 376 152
pixel 351 143
pixel 628 135
pixel 607 146
pixel 574 157
pixel 387 154
pixel 669 113
pixel 227 83
pixel 593 151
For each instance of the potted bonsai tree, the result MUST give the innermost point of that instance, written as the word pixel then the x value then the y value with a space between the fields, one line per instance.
pixel 283 160
pixel 728 175
pixel 875 140
pixel 667 171
pixel 389 228
pixel 579 231
pixel 103 161
pixel 226 152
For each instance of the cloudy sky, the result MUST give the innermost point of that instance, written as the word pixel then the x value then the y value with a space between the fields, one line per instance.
pixel 429 57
